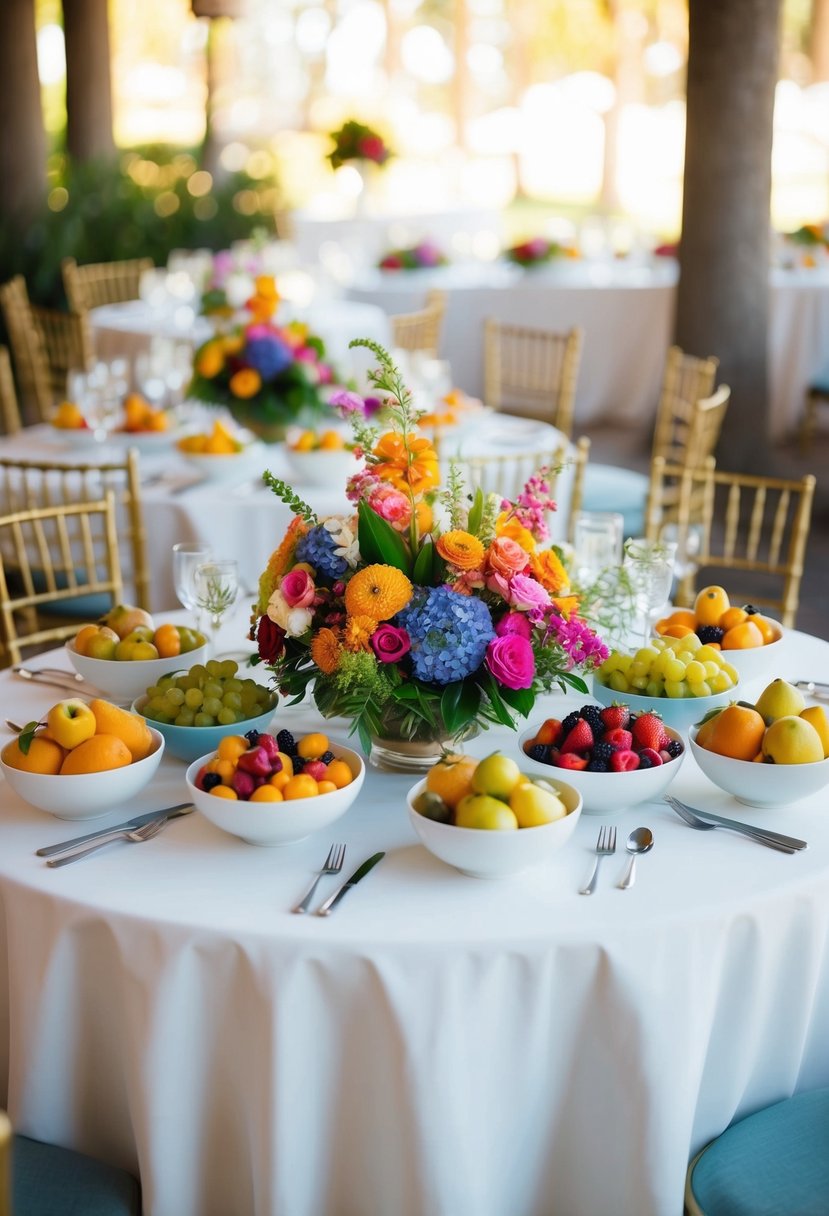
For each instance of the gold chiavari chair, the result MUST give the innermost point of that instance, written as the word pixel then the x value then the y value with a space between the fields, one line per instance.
pixel 5 1164
pixel 33 483
pixel 102 282
pixel 754 527
pixel 687 379
pixel 699 443
pixel 45 345
pixel 506 474
pixel 49 555
pixel 420 331
pixel 532 371
pixel 9 408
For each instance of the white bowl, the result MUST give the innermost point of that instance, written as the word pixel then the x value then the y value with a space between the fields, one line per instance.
pixel 604 792
pixel 322 467
pixel 189 742
pixel 757 661
pixel 494 854
pixel 757 784
pixel 85 795
pixel 678 713
pixel 277 823
pixel 229 466
pixel 126 679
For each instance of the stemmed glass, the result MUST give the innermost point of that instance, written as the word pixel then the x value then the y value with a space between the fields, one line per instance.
pixel 217 586
pixel 651 568
pixel 187 556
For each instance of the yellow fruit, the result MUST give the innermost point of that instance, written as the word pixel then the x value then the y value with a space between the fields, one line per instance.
pixel 732 617
pixel 82 637
pixel 70 722
pixel 745 636
pixel 481 811
pixel 311 747
pixel 331 441
pixel 497 775
pixel 710 604
pixel 128 727
pixel 43 756
pixel 280 780
pixel 339 772
pixel 266 793
pixel 97 755
pixel 326 787
pixel 817 716
pixel 779 700
pixel 533 805
pixel 224 791
pixel 451 778
pixel 231 747
pixel 789 740
pixel 301 786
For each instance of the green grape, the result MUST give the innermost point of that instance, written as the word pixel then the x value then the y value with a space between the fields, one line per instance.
pixel 212 688
pixel 233 685
pixel 228 668
pixel 203 719
pixel 193 698
pixel 162 716
pixel 225 716
pixel 175 695
pixel 153 705
pixel 232 700
pixel 185 717
pixel 211 706
pixel 198 672
pixel 214 667
pixel 166 681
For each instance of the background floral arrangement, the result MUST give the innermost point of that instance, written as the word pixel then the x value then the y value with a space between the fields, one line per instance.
pixel 356 141
pixel 417 257
pixel 410 626
pixel 276 372
pixel 536 251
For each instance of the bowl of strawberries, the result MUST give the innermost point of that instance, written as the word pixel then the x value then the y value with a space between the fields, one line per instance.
pixel 615 758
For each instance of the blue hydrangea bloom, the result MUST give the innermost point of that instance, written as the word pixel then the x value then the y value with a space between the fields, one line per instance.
pixel 268 355
pixel 317 549
pixel 449 633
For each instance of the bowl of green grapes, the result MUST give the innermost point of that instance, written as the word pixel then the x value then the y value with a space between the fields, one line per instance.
pixel 195 709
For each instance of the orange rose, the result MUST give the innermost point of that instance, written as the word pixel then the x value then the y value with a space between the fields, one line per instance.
pixel 461 549
pixel 505 556
pixel 508 525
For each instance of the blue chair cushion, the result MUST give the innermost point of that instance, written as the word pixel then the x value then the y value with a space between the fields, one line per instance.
pixel 610 488
pixel 773 1163
pixel 52 1181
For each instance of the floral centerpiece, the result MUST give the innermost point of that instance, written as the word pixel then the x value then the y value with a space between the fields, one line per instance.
pixel 354 141
pixel 425 614
pixel 537 251
pixel 424 256
pixel 267 375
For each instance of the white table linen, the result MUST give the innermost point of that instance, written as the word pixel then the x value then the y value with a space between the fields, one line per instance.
pixel 442 1046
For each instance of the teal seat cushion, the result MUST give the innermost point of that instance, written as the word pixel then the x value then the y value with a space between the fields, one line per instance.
pixel 608 487
pixel 51 1181
pixel 773 1163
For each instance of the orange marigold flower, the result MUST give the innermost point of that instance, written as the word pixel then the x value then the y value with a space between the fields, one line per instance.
pixel 245 383
pixel 377 592
pixel 409 464
pixel 210 360
pixel 266 286
pixel 461 549
pixel 548 569
pixel 507 525
pixel 326 649
pixel 358 631
pixel 568 605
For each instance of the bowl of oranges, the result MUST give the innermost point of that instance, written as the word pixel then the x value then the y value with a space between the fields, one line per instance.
pixel 127 651
pixel 223 454
pixel 275 789
pixel 751 641
pixel 320 458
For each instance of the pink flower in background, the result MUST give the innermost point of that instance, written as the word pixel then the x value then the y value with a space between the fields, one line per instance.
pixel 298 589
pixel 428 254
pixel 360 485
pixel 505 556
pixel 511 660
pixel 347 402
pixel 577 639
pixel 391 505
pixel 513 622
pixel 528 595
pixel 389 643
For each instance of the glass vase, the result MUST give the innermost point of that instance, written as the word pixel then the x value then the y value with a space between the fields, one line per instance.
pixel 397 752
pixel 247 415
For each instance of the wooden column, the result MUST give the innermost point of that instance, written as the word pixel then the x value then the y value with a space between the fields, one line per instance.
pixel 723 296
pixel 22 138
pixel 88 80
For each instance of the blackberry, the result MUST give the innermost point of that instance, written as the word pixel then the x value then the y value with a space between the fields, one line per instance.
pixel 592 715
pixel 287 742
pixel 209 780
pixel 252 737
pixel 602 752
pixel 674 748
pixel 750 610
pixel 645 761
pixel 598 766
pixel 570 721
pixel 539 752
pixel 326 757
pixel 298 763
pixel 710 633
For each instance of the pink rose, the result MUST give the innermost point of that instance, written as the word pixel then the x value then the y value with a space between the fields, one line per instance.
pixel 527 594
pixel 389 643
pixel 511 660
pixel 513 622
pixel 298 589
pixel 498 583
pixel 391 505
pixel 505 556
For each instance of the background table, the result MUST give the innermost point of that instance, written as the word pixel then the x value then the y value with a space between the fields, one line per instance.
pixel 442 1046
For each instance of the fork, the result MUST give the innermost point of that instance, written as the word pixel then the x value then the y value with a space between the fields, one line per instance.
pixel 687 815
pixel 332 865
pixel 134 835
pixel 605 847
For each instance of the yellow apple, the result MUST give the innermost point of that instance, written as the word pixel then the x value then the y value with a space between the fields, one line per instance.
pixel 102 644
pixel 497 775
pixel 71 722
pixel 481 811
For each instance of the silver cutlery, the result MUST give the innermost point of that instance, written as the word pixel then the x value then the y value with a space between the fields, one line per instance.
pixel 67 682
pixel 165 813
pixel 605 847
pixel 639 841
pixel 20 670
pixel 134 836
pixel 706 819
pixel 330 904
pixel 814 688
pixel 186 486
pixel 332 865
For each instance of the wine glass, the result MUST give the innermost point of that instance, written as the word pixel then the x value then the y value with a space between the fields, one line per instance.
pixel 651 568
pixel 597 542
pixel 187 555
pixel 217 586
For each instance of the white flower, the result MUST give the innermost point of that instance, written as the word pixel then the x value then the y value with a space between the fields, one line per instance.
pixel 295 621
pixel 347 544
pixel 239 288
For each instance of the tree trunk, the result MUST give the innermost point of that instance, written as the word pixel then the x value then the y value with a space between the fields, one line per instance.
pixel 819 40
pixel 88 80
pixel 723 295
pixel 22 138
pixel 212 146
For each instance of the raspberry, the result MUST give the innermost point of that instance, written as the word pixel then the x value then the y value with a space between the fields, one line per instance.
pixel 539 752
pixel 287 742
pixel 674 749
pixel 620 740
pixel 709 633
pixel 624 762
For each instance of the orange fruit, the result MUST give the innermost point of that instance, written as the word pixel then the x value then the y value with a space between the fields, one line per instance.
pixel 83 635
pixel 705 731
pixel 676 631
pixel 130 728
pixel 451 778
pixel 287 764
pixel 266 793
pixel 681 616
pixel 99 754
pixel 311 747
pixel 742 637
pixel 167 641
pixel 280 780
pixel 331 441
pixel 43 756
pixel 224 791
pixel 769 629
pixel 339 772
pixel 710 604
pixel 327 787
pixel 548 731
pixel 231 748
pixel 736 732
pixel 732 617
pixel 223 768
pixel 302 785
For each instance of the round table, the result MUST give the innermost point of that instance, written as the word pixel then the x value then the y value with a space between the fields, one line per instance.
pixel 442 1045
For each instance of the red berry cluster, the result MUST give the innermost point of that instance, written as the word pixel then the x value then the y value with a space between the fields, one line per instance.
pixel 604 740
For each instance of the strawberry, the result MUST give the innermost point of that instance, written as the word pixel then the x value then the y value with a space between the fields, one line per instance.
pixel 616 716
pixel 655 758
pixel 619 739
pixel 649 731
pixel 579 739
pixel 571 760
pixel 624 762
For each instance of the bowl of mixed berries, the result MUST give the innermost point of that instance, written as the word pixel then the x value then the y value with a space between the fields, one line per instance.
pixel 613 757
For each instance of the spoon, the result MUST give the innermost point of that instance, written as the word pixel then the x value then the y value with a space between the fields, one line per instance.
pixel 639 841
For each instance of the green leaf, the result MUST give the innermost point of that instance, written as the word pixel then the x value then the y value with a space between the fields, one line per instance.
pixel 493 692
pixel 521 699
pixel 25 737
pixel 422 571
pixel 459 704
pixel 476 512
pixel 576 682
pixel 379 542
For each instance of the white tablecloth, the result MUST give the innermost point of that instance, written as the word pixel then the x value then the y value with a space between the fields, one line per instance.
pixel 442 1046
pixel 627 314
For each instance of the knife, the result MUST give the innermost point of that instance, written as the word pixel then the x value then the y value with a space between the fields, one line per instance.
pixel 165 812
pixel 791 842
pixel 330 904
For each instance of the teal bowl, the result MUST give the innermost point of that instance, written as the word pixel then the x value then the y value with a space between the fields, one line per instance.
pixel 680 714
pixel 189 742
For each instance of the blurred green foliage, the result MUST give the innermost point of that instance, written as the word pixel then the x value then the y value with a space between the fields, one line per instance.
pixel 146 203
